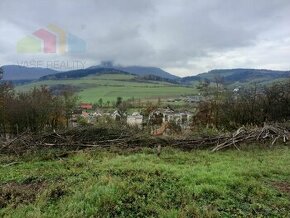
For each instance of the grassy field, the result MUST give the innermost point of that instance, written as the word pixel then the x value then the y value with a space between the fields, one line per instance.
pixel 99 183
pixel 110 86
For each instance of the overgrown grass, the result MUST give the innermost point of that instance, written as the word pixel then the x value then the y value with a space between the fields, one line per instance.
pixel 117 183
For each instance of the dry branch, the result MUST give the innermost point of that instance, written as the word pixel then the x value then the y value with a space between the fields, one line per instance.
pixel 92 138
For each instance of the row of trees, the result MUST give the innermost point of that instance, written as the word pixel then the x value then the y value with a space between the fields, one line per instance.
pixel 131 102
pixel 35 110
pixel 228 108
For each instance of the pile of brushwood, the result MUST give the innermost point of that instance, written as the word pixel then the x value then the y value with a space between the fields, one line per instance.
pixel 268 135
pixel 79 138
pixel 92 137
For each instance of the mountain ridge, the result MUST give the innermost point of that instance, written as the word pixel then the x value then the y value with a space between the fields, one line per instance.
pixel 242 75
pixel 229 76
pixel 18 72
pixel 139 70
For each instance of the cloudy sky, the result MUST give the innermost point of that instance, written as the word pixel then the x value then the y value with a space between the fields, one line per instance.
pixel 184 37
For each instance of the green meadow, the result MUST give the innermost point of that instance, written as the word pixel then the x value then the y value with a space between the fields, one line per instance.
pixel 138 183
pixel 110 86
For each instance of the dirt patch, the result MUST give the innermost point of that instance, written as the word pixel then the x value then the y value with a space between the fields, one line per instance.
pixel 283 187
pixel 57 193
pixel 13 193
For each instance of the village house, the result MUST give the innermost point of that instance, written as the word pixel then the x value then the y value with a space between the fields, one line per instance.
pixel 136 119
pixel 86 106
pixel 89 117
pixel 118 115
pixel 169 115
pixel 85 115
pixel 156 117
pixel 193 99
pixel 98 114
pixel 73 121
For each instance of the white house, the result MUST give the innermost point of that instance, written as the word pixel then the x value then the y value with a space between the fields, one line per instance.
pixel 169 115
pixel 136 119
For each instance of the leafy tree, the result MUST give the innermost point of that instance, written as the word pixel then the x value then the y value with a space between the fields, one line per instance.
pixel 70 101
pixel 204 87
pixel 119 101
pixel 159 101
pixel 6 100
pixel 249 105
pixel 35 110
pixel 100 102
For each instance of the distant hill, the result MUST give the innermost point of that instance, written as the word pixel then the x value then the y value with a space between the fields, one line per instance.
pixel 148 73
pixel 75 74
pixel 230 76
pixel 140 70
pixel 109 86
pixel 109 83
pixel 17 72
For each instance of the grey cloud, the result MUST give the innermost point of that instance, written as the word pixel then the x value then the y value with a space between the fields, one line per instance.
pixel 166 33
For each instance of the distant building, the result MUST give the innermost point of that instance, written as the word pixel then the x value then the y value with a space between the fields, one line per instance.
pixel 73 122
pixel 86 106
pixel 174 99
pixel 193 99
pixel 136 119
pixel 236 90
pixel 77 111
pixel 116 115
pixel 160 116
pixel 85 115
pixel 97 114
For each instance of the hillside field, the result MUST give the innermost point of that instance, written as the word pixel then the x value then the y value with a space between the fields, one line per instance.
pixel 110 86
pixel 120 183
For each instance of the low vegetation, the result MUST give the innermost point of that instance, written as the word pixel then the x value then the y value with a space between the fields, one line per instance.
pixel 138 183
pixel 254 105
pixel 35 110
